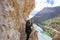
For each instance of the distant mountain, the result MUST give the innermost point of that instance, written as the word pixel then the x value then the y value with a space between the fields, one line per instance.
pixel 46 13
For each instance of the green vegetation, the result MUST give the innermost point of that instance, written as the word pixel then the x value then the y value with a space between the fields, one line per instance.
pixel 52 23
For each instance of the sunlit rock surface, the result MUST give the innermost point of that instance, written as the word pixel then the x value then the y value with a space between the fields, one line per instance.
pixel 56 37
pixel 12 14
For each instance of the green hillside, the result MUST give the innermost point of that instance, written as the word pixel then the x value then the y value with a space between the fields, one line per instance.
pixel 51 26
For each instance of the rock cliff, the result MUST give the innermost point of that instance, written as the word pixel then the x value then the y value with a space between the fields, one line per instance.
pixel 12 15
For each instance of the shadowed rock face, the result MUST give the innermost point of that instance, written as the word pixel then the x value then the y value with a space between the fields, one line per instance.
pixel 12 13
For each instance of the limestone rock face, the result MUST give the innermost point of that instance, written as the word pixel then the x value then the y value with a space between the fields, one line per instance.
pixel 12 15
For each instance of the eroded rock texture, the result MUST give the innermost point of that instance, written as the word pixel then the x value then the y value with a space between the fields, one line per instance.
pixel 12 14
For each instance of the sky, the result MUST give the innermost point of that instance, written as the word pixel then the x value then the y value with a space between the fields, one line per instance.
pixel 40 4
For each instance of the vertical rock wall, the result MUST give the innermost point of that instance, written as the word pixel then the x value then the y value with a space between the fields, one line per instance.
pixel 12 14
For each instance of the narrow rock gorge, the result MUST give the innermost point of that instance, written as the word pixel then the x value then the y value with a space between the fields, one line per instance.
pixel 12 19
